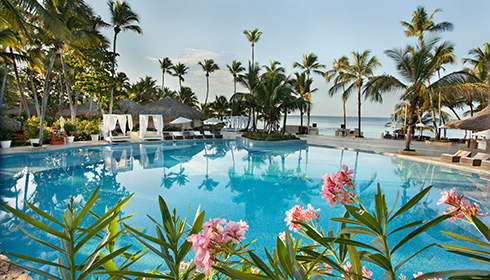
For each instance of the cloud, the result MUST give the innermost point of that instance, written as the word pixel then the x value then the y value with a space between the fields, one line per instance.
pixel 193 56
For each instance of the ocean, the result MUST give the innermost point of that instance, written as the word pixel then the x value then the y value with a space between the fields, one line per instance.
pixel 372 127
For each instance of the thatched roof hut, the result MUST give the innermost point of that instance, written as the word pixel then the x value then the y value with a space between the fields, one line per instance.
pixel 82 110
pixel 17 110
pixel 14 125
pixel 171 109
pixel 480 121
pixel 127 106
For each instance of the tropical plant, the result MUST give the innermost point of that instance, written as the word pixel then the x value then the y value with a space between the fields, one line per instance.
pixel 122 19
pixel 220 106
pixel 188 97
pixel 73 235
pixel 179 70
pixel 145 91
pixel 361 68
pixel 208 66
pixel 337 75
pixel 251 81
pixel 309 64
pixel 165 65
pixel 253 37
pixel 235 69
pixel 302 87
pixel 32 129
pixel 421 23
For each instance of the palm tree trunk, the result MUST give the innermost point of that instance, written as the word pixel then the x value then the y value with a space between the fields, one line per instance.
pixel 301 120
pixel 68 90
pixel 163 81
pixel 207 93
pixel 454 112
pixel 252 54
pixel 433 111
pixel 34 92
pixel 21 89
pixel 308 118
pixel 284 122
pixel 410 125
pixel 113 72
pixel 46 93
pixel 4 81
pixel 234 93
pixel 358 111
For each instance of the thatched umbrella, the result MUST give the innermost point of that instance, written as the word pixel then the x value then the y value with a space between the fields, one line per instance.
pixel 171 109
pixel 480 121
pixel 14 125
pixel 127 106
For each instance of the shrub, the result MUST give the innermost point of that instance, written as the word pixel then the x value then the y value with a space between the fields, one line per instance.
pixel 32 128
pixel 262 136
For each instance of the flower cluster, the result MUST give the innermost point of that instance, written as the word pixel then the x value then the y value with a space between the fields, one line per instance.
pixel 460 208
pixel 366 274
pixel 185 265
pixel 298 214
pixel 213 240
pixel 333 187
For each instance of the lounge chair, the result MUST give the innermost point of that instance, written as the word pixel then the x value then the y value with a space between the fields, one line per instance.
pixel 177 135
pixel 167 136
pixel 476 160
pixel 208 134
pixel 188 135
pixel 456 156
pixel 218 135
pixel 198 135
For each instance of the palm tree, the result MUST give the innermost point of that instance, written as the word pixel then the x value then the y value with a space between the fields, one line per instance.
pixel 188 97
pixel 253 37
pixel 179 70
pixel 251 81
pixel 208 66
pixel 122 19
pixel 337 74
pixel 416 66
pixel 309 64
pixel 480 61
pixel 302 87
pixel 421 23
pixel 220 106
pixel 362 68
pixel 165 65
pixel 235 69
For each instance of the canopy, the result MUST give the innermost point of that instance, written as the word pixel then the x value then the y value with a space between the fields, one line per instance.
pixel 480 121
pixel 212 121
pixel 157 122
pixel 180 120
pixel 484 133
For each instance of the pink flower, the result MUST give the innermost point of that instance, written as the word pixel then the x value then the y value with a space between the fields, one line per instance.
pixel 459 208
pixel 298 214
pixel 282 236
pixel 212 240
pixel 366 274
pixel 324 267
pixel 185 265
pixel 333 187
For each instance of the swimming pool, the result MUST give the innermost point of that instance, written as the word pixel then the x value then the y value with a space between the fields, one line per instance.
pixel 227 180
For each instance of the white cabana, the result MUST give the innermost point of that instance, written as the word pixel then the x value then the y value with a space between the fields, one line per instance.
pixel 151 156
pixel 157 122
pixel 110 122
pixel 236 122
pixel 118 158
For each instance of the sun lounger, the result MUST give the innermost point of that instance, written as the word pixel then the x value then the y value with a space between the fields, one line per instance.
pixel 218 135
pixel 198 135
pixel 208 134
pixel 476 160
pixel 177 135
pixel 167 136
pixel 188 135
pixel 456 156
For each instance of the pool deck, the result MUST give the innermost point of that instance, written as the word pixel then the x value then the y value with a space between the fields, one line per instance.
pixel 429 153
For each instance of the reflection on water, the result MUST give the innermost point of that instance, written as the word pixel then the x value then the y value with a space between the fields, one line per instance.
pixel 256 185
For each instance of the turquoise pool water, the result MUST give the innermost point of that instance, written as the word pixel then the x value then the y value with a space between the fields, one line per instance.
pixel 257 186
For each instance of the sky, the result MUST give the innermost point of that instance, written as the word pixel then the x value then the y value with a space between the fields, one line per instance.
pixel 190 31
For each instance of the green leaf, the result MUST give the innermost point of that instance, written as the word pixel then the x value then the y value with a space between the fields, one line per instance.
pixel 464 249
pixel 476 258
pixel 284 258
pixel 409 225
pixel 411 203
pixel 298 271
pixel 378 260
pixel 347 221
pixel 102 261
pixel 88 206
pixel 289 245
pixel 482 228
pixel 261 265
pixel 455 273
pixel 365 218
pixel 419 230
pixel 54 247
pixel 92 231
pixel 355 261
pixel 33 222
pixel 357 230
pixel 166 217
pixel 237 274
pixel 31 259
pixel 136 274
pixel 413 255
pixel 43 214
pixel 468 239
pixel 380 205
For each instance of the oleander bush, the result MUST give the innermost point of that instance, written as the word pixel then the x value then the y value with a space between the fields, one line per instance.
pixel 219 251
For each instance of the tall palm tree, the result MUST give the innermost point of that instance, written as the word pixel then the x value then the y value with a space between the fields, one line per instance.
pixel 302 87
pixel 122 19
pixel 165 65
pixel 253 37
pixel 235 69
pixel 309 63
pixel 179 70
pixel 251 81
pixel 208 66
pixel 421 23
pixel 188 97
pixel 480 61
pixel 337 75
pixel 416 66
pixel 220 106
pixel 361 68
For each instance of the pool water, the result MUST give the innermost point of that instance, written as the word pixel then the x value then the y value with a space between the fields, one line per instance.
pixel 229 181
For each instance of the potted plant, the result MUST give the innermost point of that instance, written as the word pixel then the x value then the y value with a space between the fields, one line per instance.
pixel 70 129
pixel 94 130
pixel 6 136
pixel 31 131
